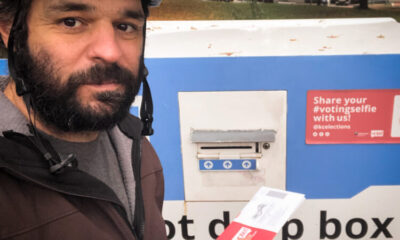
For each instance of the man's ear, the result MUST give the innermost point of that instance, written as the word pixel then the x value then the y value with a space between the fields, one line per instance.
pixel 5 29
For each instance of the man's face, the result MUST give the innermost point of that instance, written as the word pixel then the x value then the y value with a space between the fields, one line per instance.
pixel 84 57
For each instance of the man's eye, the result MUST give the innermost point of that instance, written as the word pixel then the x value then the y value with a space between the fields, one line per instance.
pixel 126 28
pixel 71 22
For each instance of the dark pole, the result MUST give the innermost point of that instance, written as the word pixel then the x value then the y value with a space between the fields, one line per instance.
pixel 363 4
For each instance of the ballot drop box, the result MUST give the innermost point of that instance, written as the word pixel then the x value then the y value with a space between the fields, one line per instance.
pixel 310 106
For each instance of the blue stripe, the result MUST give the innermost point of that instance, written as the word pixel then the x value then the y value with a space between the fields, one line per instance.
pixel 319 171
pixel 227 164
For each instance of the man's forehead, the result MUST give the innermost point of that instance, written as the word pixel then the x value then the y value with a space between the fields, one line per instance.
pixel 122 6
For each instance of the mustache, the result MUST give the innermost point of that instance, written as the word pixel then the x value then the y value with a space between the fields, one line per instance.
pixel 101 74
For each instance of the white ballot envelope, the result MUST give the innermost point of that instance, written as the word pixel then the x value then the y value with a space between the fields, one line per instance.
pixel 263 216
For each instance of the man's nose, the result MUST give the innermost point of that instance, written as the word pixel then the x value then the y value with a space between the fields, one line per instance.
pixel 104 46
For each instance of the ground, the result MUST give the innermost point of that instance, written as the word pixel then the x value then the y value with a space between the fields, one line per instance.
pixel 208 10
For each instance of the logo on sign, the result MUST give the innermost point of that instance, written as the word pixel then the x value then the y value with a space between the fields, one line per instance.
pixel 377 133
pixel 244 234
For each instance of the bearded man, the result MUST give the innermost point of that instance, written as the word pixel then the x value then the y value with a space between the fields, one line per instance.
pixel 73 163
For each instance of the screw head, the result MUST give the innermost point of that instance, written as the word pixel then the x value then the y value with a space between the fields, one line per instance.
pixel 266 146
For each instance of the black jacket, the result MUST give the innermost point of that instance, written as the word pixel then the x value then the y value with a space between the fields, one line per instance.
pixel 35 204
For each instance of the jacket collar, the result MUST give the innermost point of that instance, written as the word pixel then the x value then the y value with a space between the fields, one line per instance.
pixel 11 117
pixel 131 126
pixel 19 158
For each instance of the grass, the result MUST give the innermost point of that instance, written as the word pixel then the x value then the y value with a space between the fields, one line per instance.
pixel 211 10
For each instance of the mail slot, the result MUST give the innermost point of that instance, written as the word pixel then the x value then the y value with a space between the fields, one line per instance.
pixel 230 149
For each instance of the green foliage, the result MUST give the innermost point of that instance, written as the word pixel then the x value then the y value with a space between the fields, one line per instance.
pixel 219 10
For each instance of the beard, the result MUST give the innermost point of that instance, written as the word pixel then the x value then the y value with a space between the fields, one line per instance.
pixel 57 103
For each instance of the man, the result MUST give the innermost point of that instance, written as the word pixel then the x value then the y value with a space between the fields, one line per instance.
pixel 73 163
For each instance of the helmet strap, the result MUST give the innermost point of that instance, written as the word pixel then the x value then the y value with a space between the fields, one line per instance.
pixel 146 108
pixel 14 47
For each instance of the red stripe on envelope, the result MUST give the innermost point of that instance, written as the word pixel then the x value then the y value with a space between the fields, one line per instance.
pixel 238 231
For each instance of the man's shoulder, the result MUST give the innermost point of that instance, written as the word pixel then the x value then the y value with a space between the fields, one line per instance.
pixel 18 151
pixel 151 162
pixel 21 207
pixel 29 211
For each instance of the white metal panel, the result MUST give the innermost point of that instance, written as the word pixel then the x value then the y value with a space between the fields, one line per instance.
pixel 241 110
pixel 171 39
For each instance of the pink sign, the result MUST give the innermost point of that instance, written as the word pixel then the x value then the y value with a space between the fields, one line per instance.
pixel 353 116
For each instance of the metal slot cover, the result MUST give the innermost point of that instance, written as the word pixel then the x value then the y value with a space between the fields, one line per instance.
pixel 232 136
pixel 225 151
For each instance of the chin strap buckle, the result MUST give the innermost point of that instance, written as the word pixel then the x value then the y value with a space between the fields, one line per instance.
pixel 147 126
pixel 68 161
pixel 146 108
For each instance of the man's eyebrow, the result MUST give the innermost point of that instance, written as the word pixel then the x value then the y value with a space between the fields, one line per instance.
pixel 71 6
pixel 134 14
